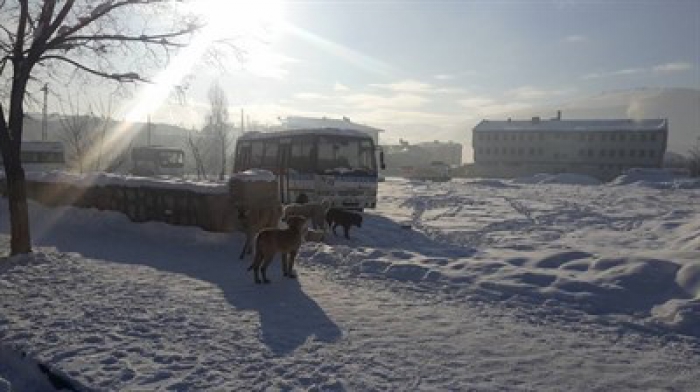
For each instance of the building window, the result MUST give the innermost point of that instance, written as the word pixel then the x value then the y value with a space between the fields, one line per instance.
pixel 582 137
pixel 532 150
pixel 602 153
pixel 612 153
pixel 541 135
pixel 613 137
pixel 590 137
pixel 632 153
pixel 530 137
pixel 590 152
pixel 623 137
pixel 495 137
pixel 651 153
pixel 643 137
pixel 621 152
pixel 642 153
pixel 604 137
pixel 631 137
pixel 513 137
pixel 652 137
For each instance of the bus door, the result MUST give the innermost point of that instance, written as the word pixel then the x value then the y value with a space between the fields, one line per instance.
pixel 283 155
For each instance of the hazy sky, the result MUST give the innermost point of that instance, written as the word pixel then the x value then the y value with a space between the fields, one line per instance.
pixel 423 68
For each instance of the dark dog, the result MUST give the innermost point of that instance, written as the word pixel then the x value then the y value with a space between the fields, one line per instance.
pixel 345 218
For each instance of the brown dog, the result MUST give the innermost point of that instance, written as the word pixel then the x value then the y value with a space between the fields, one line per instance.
pixel 285 241
pixel 255 219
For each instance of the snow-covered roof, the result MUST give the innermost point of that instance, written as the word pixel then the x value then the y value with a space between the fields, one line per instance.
pixel 296 122
pixel 572 125
pixel 129 181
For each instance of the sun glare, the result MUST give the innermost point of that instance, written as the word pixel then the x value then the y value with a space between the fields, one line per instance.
pixel 248 24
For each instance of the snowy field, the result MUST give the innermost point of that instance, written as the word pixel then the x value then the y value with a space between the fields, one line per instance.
pixel 544 283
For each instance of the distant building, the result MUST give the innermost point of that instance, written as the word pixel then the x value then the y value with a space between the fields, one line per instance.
pixel 600 148
pixel 404 157
pixel 449 153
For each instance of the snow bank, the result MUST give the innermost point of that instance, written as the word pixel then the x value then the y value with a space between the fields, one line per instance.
pixel 107 179
pixel 563 179
pixel 655 178
pixel 620 252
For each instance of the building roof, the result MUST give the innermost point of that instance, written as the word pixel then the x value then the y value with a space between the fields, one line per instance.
pixel 298 122
pixel 572 125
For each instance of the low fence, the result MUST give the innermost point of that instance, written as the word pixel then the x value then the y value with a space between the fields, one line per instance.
pixel 210 207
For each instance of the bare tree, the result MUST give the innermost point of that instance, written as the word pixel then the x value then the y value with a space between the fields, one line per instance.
pixel 76 132
pixel 41 39
pixel 105 112
pixel 218 125
pixel 195 146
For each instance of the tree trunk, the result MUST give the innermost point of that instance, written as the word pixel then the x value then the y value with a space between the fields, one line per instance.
pixel 11 144
pixel 20 241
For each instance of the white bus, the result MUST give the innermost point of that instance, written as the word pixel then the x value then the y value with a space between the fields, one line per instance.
pixel 157 161
pixel 313 164
pixel 41 156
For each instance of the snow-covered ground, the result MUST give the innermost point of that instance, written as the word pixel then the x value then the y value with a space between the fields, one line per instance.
pixel 541 283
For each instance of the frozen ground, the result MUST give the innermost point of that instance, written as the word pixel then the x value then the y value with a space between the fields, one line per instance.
pixel 532 284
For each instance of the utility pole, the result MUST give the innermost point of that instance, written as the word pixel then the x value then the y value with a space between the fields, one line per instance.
pixel 242 123
pixel 44 121
pixel 148 131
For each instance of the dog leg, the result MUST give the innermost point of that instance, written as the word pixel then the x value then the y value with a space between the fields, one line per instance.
pixel 347 231
pixel 263 269
pixel 255 265
pixel 246 247
pixel 292 258
pixel 334 226
pixel 285 263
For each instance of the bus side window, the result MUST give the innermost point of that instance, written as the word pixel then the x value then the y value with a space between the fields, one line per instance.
pixel 256 154
pixel 270 156
pixel 301 158
pixel 242 159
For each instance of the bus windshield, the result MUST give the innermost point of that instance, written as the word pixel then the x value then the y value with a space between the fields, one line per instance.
pixel 343 155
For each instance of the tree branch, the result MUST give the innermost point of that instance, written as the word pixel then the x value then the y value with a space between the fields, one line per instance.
pixel 23 16
pixel 159 39
pixel 98 12
pixel 119 77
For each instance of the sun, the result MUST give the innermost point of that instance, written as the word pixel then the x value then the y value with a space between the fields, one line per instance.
pixel 245 19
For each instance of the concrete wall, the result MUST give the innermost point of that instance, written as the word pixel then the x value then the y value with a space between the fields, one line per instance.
pixel 211 212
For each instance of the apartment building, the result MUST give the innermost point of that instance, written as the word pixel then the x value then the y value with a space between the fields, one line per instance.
pixel 600 148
